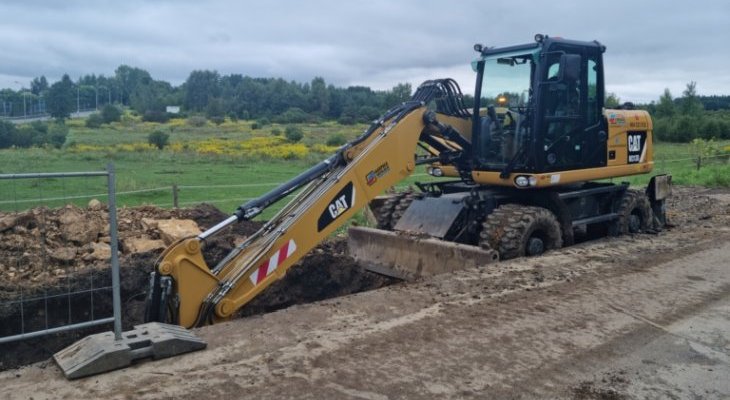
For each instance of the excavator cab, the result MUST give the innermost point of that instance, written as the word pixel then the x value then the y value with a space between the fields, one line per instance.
pixel 538 107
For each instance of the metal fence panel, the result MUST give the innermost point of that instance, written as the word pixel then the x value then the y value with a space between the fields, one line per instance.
pixel 44 290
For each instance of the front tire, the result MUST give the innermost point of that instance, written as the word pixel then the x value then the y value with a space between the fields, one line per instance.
pixel 515 230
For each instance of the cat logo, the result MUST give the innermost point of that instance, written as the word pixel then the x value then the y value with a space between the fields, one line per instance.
pixel 636 146
pixel 343 201
pixel 338 207
pixel 634 143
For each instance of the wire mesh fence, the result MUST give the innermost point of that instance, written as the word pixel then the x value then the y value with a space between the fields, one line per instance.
pixel 59 269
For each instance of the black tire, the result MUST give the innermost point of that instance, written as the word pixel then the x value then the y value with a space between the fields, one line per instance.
pixel 515 230
pixel 635 213
pixel 393 208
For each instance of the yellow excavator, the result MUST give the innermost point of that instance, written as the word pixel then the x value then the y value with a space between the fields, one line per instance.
pixel 524 169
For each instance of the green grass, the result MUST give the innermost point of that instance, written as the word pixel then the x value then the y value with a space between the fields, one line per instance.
pixel 678 160
pixel 152 169
pixel 225 181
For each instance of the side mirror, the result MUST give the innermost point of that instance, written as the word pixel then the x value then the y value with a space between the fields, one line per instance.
pixel 569 67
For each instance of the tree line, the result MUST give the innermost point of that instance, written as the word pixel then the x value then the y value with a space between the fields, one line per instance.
pixel 690 116
pixel 203 92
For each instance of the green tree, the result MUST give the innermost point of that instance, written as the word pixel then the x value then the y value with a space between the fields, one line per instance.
pixel 39 85
pixel 60 100
pixel 691 104
pixel 200 87
pixel 666 107
pixel 128 78
pixel 215 111
pixel 399 94
pixel 612 101
pixel 320 97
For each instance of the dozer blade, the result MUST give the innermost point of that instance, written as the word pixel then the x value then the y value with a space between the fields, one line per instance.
pixel 409 258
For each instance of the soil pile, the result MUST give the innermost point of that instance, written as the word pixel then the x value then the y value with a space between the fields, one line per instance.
pixel 45 254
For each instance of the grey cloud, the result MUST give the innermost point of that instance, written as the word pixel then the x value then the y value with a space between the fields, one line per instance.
pixel 651 44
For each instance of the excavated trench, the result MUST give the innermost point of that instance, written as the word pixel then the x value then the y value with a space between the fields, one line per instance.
pixel 324 273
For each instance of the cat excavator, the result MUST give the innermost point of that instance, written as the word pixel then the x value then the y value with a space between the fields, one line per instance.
pixel 524 169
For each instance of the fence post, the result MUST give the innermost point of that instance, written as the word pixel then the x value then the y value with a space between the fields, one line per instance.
pixel 174 195
pixel 116 296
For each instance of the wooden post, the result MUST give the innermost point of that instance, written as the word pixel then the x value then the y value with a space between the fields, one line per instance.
pixel 174 195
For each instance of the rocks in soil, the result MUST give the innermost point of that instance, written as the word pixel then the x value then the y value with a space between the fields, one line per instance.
pixel 39 241
pixel 142 244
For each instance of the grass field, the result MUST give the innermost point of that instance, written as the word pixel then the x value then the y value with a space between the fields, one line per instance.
pixel 199 163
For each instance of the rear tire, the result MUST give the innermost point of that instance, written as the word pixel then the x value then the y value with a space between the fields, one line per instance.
pixel 393 208
pixel 515 231
pixel 635 213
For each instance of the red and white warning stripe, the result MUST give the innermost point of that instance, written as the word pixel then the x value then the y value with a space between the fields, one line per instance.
pixel 272 263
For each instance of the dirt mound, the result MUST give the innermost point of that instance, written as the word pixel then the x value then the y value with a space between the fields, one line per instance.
pixel 46 254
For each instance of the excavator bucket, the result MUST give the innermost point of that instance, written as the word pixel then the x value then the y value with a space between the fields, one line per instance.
pixel 408 257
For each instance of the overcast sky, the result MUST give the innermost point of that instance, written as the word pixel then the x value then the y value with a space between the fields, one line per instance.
pixel 651 44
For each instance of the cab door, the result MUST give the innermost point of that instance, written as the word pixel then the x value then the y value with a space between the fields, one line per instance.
pixel 571 127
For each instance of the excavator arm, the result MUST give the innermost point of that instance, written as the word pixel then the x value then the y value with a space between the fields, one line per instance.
pixel 186 291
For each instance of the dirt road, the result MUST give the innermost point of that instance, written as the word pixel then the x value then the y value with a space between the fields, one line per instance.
pixel 646 316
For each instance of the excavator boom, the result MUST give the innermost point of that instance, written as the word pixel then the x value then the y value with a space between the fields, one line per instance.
pixel 188 292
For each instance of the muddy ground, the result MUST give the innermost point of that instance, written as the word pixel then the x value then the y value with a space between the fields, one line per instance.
pixel 642 316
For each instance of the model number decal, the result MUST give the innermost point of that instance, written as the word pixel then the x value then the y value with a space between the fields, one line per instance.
pixel 379 172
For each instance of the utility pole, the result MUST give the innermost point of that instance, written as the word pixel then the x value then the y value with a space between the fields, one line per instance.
pixel 97 98
pixel 78 93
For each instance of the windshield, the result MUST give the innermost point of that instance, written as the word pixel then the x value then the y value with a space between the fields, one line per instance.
pixel 506 86
pixel 506 81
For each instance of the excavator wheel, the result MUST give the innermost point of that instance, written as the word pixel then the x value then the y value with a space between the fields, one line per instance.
pixel 393 208
pixel 635 213
pixel 515 230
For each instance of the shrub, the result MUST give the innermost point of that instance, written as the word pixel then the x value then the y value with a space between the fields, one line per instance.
pixel 663 129
pixel 293 134
pixel 337 139
pixel 23 136
pixel 262 122
pixel 217 119
pixel 368 113
pixel 110 113
pixel 196 121
pixel 94 121
pixel 57 135
pixel 158 139
pixel 276 132
pixel 346 119
pixel 292 116
pixel 232 116
pixel 155 116
pixel 7 133
pixel 685 129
